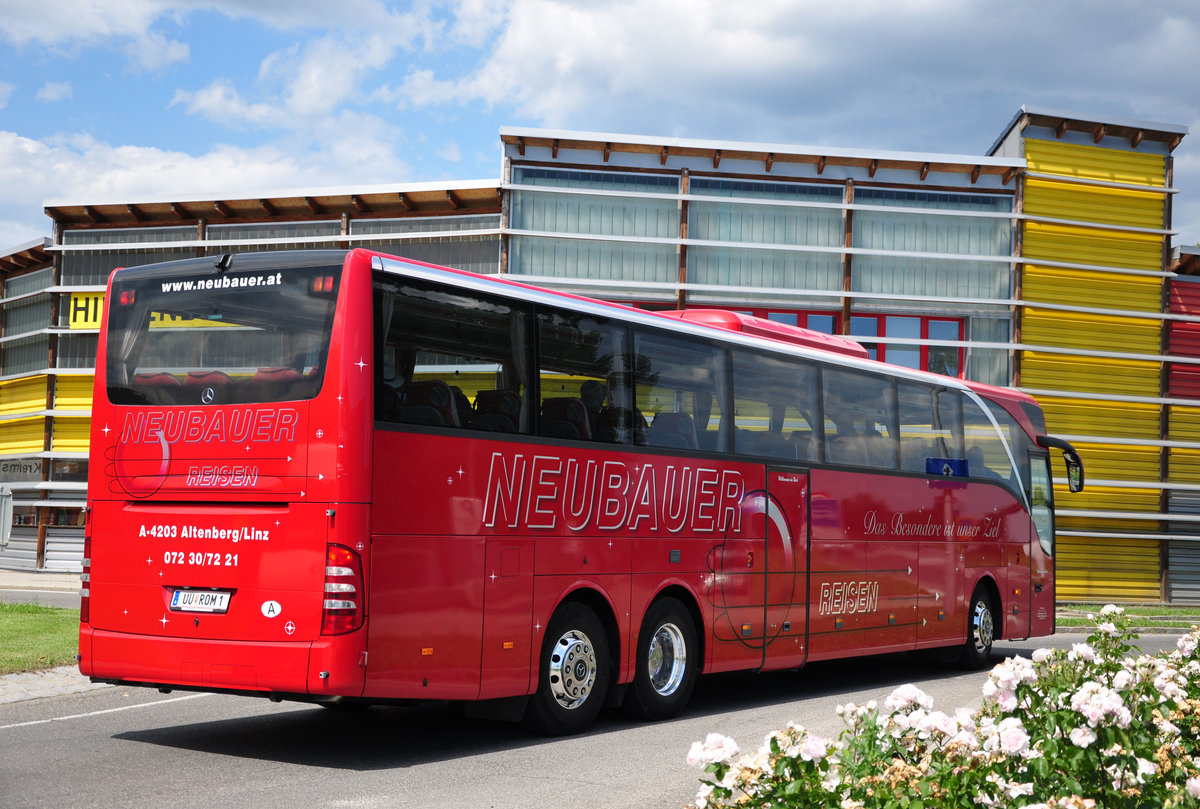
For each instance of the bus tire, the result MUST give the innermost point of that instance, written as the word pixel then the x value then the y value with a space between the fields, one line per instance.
pixel 981 630
pixel 574 671
pixel 667 662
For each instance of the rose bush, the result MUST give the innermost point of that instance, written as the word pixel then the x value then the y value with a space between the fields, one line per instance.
pixel 1097 725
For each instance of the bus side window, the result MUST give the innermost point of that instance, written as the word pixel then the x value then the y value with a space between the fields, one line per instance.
pixel 774 406
pixel 582 381
pixel 986 456
pixel 860 419
pixel 922 433
pixel 449 359
pixel 678 387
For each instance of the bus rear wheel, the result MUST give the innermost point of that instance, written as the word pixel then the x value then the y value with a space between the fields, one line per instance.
pixel 981 631
pixel 573 673
pixel 667 662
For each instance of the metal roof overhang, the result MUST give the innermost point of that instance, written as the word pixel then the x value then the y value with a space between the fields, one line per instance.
pixel 26 257
pixel 766 153
pixel 426 199
pixel 1099 128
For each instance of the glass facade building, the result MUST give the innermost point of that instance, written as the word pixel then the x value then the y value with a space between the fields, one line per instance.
pixel 1043 264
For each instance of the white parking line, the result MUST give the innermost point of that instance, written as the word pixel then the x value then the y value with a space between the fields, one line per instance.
pixel 98 713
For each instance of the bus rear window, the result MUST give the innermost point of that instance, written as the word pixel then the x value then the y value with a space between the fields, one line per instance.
pixel 219 338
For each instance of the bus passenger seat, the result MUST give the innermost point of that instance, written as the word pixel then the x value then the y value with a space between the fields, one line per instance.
pixel 565 417
pixel 430 403
pixel 497 411
pixel 156 379
pixel 913 453
pixel 847 449
pixel 278 374
pixel 207 379
pixel 774 445
pixel 805 449
pixel 672 430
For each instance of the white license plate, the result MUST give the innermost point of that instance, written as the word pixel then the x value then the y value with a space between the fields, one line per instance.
pixel 200 600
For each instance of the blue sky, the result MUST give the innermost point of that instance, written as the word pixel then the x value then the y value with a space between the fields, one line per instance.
pixel 113 100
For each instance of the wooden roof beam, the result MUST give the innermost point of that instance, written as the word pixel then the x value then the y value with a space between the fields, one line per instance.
pixel 406 202
pixel 607 151
pixel 1136 138
pixel 358 204
pixel 821 164
pixel 135 212
pixel 313 205
pixel 770 162
pixel 874 167
pixel 94 215
pixel 924 171
pixel 1009 173
pixel 662 161
pixel 1061 129
pixel 975 172
pixel 179 210
pixel 521 145
pixel 452 198
pixel 554 149
pixel 267 207
pixel 716 158
pixel 1099 132
pixel 221 208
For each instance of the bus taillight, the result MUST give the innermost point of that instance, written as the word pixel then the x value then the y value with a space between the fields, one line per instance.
pixel 85 590
pixel 343 605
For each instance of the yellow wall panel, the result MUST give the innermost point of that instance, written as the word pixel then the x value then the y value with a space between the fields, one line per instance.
pixel 1102 498
pixel 1095 163
pixel 73 392
pixel 1091 569
pixel 1116 462
pixel 1109 206
pixel 26 395
pixel 1128 335
pixel 1104 248
pixel 1091 288
pixel 1183 465
pixel 1089 374
pixel 1184 423
pixel 22 436
pixel 1103 418
pixel 71 435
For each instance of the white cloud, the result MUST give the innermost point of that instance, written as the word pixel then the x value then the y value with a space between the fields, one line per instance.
pixel 152 52
pixel 6 91
pixel 82 168
pixel 64 21
pixel 55 91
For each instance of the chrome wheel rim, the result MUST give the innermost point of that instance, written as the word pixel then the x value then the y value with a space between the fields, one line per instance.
pixel 985 630
pixel 572 671
pixel 667 660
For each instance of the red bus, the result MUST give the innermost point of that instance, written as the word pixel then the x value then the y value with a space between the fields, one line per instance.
pixel 340 477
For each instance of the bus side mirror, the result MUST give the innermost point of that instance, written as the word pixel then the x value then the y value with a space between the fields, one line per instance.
pixel 1070 457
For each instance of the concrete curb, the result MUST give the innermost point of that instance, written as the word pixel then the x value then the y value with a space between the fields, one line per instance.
pixel 37 580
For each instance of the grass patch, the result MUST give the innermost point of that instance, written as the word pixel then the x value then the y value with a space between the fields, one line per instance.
pixel 1142 617
pixel 34 637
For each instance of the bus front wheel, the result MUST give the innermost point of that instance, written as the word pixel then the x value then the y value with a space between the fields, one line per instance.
pixel 981 631
pixel 573 672
pixel 667 662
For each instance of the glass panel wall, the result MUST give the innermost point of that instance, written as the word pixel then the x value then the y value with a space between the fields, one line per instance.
pixel 913 232
pixel 619 216
pixel 748 218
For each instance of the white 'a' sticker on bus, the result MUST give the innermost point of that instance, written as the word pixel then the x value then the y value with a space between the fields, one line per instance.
pixel 271 609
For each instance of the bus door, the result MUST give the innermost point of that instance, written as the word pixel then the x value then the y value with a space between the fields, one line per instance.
pixel 1041 591
pixel 787 568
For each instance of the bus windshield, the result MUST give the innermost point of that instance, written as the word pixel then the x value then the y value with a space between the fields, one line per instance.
pixel 207 336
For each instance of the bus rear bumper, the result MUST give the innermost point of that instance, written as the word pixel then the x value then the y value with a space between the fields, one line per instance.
pixel 307 669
